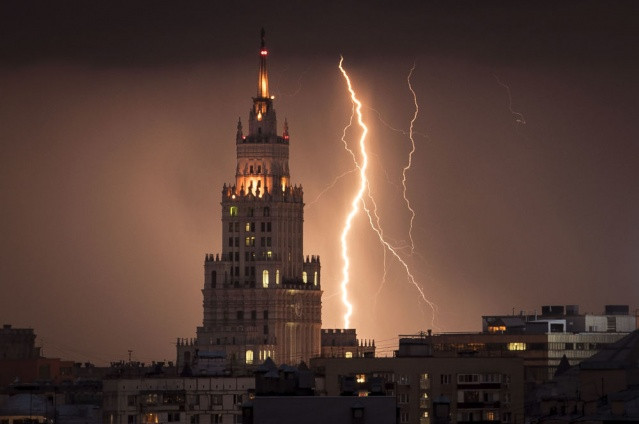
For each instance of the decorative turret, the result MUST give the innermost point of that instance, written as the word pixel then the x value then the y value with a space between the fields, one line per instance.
pixel 239 136
pixel 285 133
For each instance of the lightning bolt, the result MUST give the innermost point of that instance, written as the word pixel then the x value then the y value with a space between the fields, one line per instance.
pixel 357 105
pixel 294 93
pixel 371 211
pixel 519 118
pixel 330 186
pixel 410 160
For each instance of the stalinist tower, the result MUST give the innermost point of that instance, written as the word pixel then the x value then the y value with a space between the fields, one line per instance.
pixel 261 297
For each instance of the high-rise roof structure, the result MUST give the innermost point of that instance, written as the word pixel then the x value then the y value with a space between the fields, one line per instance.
pixel 262 298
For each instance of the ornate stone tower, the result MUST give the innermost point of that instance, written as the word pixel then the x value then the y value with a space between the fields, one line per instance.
pixel 261 297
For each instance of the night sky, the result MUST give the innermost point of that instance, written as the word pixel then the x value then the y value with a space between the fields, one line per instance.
pixel 117 132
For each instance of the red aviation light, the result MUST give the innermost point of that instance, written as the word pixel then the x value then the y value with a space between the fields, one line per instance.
pixel 263 52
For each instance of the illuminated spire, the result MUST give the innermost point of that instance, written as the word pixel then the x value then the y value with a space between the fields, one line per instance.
pixel 262 83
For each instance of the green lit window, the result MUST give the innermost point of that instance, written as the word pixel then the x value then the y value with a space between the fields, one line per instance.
pixel 233 211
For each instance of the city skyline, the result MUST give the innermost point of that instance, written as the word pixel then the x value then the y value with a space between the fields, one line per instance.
pixel 118 127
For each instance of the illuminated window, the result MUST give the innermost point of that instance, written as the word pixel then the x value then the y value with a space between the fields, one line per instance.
pixel 517 346
pixel 233 211
pixel 151 418
pixel 249 357
pixel 247 228
pixel 304 277
pixel 496 328
pixel 360 378
pixel 277 276
pixel 315 278
pixel 249 241
pixel 269 255
pixel 348 355
pixel 491 416
pixel 265 278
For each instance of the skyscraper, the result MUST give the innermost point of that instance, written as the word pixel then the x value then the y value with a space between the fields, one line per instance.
pixel 262 298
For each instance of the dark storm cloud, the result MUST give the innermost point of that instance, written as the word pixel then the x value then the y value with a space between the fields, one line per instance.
pixel 153 33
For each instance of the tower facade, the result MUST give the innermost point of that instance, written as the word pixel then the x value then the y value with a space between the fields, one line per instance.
pixel 262 298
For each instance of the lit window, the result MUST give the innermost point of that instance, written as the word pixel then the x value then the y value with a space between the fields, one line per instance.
pixel 277 276
pixel 315 278
pixel 304 277
pixel 269 255
pixel 348 355
pixel 151 418
pixel 360 378
pixel 233 211
pixel 249 357
pixel 248 227
pixel 265 278
pixel 517 346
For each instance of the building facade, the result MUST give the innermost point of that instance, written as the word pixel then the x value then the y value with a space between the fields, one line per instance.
pixel 18 343
pixel 475 389
pixel 542 340
pixel 343 343
pixel 210 400
pixel 262 298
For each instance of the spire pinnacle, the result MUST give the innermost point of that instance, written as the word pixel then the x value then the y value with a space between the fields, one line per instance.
pixel 262 83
